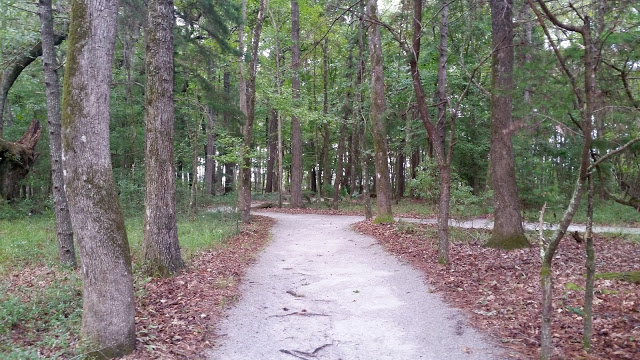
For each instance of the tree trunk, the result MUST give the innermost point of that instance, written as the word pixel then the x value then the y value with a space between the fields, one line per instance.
pixel 296 130
pixel 160 244
pixel 340 162
pixel 247 129
pixel 209 162
pixel 378 108
pixel 590 265
pixel 193 202
pixel 508 232
pixel 228 167
pixel 14 69
pixel 272 148
pixel 16 159
pixel 243 206
pixel 400 172
pixel 64 230
pixel 108 302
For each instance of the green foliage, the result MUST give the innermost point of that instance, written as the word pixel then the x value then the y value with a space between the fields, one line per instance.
pixel 427 186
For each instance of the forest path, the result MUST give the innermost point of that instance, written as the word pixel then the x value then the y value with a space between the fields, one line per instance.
pixel 322 291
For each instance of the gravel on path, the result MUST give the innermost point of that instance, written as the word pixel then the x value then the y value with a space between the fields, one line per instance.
pixel 322 291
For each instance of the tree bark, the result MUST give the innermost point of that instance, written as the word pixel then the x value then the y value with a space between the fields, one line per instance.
pixel 508 232
pixel 378 108
pixel 9 76
pixel 160 244
pixel 296 130
pixel 108 301
pixel 230 166
pixel 209 162
pixel 64 230
pixel 272 148
pixel 247 129
pixel 590 265
pixel 16 159
pixel 340 162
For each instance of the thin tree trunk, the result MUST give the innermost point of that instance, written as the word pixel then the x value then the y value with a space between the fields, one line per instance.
pixel 209 162
pixel 160 244
pixel 108 301
pixel 378 108
pixel 247 130
pixel 591 270
pixel 508 232
pixel 66 250
pixel 340 162
pixel 243 206
pixel 229 167
pixel 272 148
pixel 193 202
pixel 296 130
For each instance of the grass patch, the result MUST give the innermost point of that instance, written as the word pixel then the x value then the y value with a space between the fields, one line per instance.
pixel 27 241
pixel 41 312
pixel 41 321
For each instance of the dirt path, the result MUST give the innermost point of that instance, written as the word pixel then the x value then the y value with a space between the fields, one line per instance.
pixel 322 291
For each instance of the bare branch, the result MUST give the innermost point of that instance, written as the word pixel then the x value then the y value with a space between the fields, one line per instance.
pixel 613 153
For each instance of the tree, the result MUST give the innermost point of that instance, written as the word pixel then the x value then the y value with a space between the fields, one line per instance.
pixel 108 302
pixel 508 232
pixel 247 129
pixel 296 130
pixel 377 115
pixel 66 250
pixel 160 244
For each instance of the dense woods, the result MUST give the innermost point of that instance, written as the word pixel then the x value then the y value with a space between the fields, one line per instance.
pixel 468 107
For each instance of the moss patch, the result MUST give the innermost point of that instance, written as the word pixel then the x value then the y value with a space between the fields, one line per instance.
pixel 383 219
pixel 630 276
pixel 509 242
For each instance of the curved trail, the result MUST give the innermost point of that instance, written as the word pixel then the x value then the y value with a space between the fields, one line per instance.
pixel 322 291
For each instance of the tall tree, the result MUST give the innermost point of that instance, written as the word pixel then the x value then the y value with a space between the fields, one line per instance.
pixel 508 232
pixel 296 130
pixel 247 129
pixel 108 302
pixel 160 245
pixel 377 115
pixel 66 250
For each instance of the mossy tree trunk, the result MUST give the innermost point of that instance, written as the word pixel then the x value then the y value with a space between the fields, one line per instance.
pixel 108 302
pixel 64 230
pixel 377 115
pixel 508 232
pixel 590 265
pixel 296 130
pixel 16 159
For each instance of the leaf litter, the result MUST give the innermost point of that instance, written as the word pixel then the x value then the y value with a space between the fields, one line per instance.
pixel 175 317
pixel 500 290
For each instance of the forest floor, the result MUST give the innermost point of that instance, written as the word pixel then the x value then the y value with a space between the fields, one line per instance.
pixel 500 291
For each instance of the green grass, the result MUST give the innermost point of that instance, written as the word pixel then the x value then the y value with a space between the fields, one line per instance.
pixel 47 318
pixel 604 213
pixel 27 241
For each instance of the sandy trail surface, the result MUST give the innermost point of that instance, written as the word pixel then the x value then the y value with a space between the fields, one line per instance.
pixel 322 291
